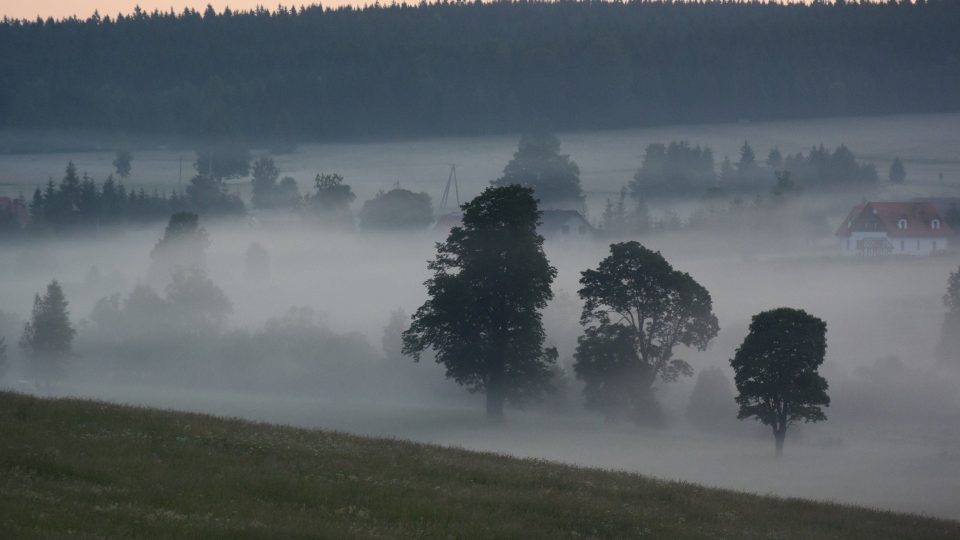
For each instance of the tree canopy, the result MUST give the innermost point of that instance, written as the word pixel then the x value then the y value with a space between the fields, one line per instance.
pixel 331 201
pixel 637 310
pixel 482 317
pixel 538 164
pixel 776 370
pixel 397 209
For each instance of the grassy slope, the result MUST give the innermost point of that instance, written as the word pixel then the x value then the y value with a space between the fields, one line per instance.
pixel 79 468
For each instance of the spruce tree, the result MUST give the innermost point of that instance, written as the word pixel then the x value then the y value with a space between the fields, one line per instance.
pixel 48 335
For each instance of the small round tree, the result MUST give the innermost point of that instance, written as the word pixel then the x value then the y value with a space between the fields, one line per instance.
pixel 776 370
pixel 397 209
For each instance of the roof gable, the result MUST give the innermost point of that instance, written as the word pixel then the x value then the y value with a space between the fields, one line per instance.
pixel 897 219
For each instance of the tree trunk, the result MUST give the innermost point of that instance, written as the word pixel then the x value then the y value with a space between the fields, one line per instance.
pixel 495 401
pixel 779 436
pixel 496 394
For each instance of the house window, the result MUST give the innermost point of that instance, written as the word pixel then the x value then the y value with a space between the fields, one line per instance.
pixel 935 224
pixel 902 224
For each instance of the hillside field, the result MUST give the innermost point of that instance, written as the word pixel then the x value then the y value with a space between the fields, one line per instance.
pixel 87 469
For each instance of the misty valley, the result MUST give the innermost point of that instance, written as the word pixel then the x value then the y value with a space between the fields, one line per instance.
pixel 290 304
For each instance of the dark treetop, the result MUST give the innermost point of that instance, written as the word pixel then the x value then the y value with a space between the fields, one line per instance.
pixel 776 370
pixel 490 281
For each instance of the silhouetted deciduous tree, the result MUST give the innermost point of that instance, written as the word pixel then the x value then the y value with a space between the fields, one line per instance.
pixel 538 164
pixel 637 309
pixel 123 163
pixel 331 202
pixel 397 209
pixel 264 181
pixel 776 370
pixel 48 336
pixel 482 317
pixel 198 302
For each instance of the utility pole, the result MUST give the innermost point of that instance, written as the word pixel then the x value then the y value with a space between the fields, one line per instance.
pixel 451 179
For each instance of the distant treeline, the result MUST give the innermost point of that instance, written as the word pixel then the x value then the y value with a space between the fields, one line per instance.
pixel 464 68
pixel 79 202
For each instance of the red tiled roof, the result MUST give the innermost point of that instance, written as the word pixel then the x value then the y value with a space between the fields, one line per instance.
pixel 918 218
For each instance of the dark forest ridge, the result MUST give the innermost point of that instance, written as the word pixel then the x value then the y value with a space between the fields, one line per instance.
pixel 471 68
pixel 87 469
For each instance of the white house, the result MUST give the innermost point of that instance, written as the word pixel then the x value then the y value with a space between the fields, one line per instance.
pixel 894 228
pixel 565 224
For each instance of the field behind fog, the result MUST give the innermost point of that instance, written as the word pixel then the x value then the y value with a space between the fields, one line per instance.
pixel 608 159
pixel 893 435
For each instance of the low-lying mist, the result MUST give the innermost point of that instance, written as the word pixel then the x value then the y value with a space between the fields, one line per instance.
pixel 307 339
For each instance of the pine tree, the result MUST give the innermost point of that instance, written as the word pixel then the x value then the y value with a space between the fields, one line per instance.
pixel 898 173
pixel 48 335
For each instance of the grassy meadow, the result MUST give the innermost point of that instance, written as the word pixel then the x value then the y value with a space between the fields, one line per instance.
pixel 84 469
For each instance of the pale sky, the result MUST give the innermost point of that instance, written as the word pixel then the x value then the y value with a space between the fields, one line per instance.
pixel 30 9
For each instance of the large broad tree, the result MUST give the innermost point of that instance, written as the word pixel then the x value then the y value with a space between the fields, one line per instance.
pixel 776 370
pixel 490 282
pixel 637 310
pixel 538 164
pixel 48 335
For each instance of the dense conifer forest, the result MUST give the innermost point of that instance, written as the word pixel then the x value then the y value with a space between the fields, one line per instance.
pixel 468 68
